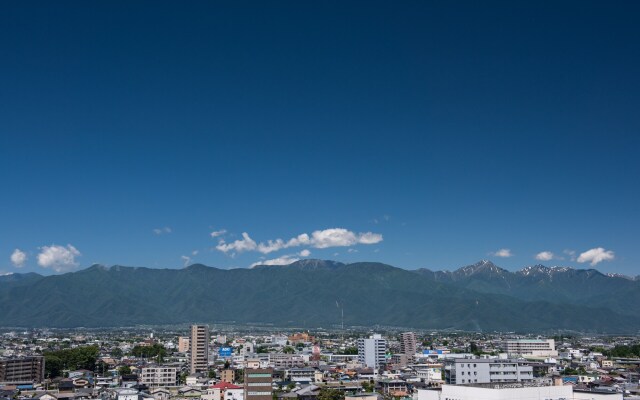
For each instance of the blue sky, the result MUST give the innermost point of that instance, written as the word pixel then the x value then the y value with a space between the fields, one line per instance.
pixel 419 134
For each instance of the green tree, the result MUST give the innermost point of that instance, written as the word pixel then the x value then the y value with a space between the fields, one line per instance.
pixel 349 351
pixel 116 353
pixel 368 386
pixel 124 370
pixel 84 357
pixel 330 394
pixel 288 350
pixel 156 351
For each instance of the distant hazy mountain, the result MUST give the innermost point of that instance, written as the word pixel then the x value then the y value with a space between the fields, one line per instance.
pixel 311 293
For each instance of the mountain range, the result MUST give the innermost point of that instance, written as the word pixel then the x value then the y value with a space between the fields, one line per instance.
pixel 312 294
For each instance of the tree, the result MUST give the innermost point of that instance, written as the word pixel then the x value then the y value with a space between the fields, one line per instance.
pixel 212 373
pixel 288 350
pixel 117 352
pixel 84 357
pixel 368 386
pixel 330 394
pixel 349 351
pixel 155 351
pixel 124 370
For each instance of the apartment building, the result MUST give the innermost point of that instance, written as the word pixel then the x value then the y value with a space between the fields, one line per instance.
pixel 22 370
pixel 184 344
pixel 482 370
pixel 531 347
pixel 155 376
pixel 408 345
pixel 258 383
pixel 199 341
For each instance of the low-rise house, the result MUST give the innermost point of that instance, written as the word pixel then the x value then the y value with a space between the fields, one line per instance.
pixel 224 391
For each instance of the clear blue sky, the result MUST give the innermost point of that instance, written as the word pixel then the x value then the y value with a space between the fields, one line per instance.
pixel 434 133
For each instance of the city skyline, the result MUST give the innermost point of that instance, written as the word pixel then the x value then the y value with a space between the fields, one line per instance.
pixel 417 135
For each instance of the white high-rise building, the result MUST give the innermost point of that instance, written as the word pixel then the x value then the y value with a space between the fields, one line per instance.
pixel 372 351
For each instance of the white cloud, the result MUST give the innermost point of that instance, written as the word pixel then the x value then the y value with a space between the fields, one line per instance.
pixel 284 260
pixel 352 250
pixel 335 237
pixel 162 231
pixel 186 260
pixel 215 234
pixel 596 255
pixel 195 252
pixel 545 256
pixel 321 239
pixel 370 238
pixel 503 253
pixel 305 253
pixel 240 245
pixel 58 258
pixel 18 258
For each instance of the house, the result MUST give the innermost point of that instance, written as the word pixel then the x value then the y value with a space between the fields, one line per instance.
pixel 224 391
pixel 189 391
pixel 160 393
pixel 46 396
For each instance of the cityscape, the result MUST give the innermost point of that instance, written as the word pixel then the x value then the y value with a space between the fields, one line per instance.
pixel 320 200
pixel 255 363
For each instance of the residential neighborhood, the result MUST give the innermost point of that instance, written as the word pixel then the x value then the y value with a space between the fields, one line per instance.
pixel 209 363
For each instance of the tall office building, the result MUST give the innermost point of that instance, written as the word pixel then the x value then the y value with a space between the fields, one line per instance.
pixel 257 383
pixel 199 348
pixel 372 351
pixel 408 345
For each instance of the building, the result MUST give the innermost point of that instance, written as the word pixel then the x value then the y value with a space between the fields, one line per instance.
pixel 394 387
pixel 408 345
pixel 184 344
pixel 303 337
pixel 512 392
pixel 22 370
pixel 155 376
pixel 282 360
pixel 301 375
pixel 485 370
pixel 224 391
pixel 199 348
pixel 372 351
pixel 227 375
pixel 531 347
pixel 431 374
pixel 258 383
